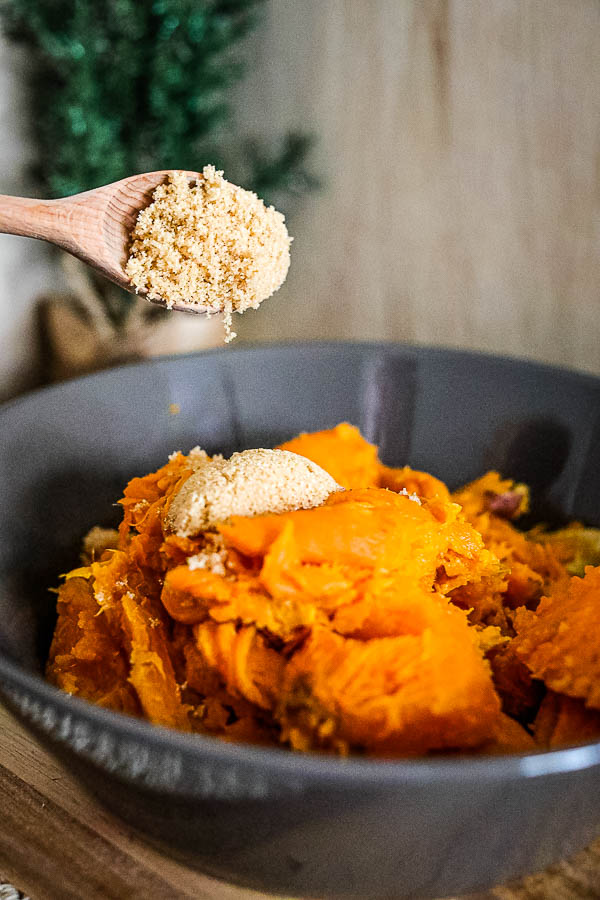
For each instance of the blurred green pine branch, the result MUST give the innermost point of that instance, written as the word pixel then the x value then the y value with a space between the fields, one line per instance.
pixel 125 86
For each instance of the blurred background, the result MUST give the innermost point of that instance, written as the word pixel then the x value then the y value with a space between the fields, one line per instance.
pixel 438 162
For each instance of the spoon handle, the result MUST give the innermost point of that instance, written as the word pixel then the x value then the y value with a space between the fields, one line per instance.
pixel 70 223
pixel 29 218
pixel 76 224
pixel 61 222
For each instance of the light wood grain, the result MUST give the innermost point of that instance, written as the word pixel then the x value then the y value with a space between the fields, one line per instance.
pixel 58 843
pixel 459 141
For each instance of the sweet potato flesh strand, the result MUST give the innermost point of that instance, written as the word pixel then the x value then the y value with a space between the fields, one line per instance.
pixel 86 656
pixel 562 721
pixel 560 641
pixel 394 619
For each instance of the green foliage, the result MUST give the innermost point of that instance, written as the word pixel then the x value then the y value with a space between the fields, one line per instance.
pixel 126 86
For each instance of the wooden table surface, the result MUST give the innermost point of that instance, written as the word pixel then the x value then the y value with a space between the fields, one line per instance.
pixel 58 843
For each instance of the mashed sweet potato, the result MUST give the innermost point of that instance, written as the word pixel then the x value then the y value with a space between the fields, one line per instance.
pixel 363 609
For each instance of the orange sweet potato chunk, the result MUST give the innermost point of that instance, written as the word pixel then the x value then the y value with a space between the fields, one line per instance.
pixel 145 502
pixel 152 673
pixel 221 712
pixel 369 560
pixel 108 579
pixel 343 452
pixel 519 692
pixel 388 605
pixel 192 596
pixel 247 666
pixel 560 641
pixel 353 462
pixel 479 496
pixel 369 529
pixel 412 481
pixel 87 657
pixel 509 737
pixel 394 695
pixel 358 532
pixel 564 721
pixel 532 567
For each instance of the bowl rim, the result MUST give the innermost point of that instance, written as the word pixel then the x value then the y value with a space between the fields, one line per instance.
pixel 281 762
pixel 278 761
pixel 406 348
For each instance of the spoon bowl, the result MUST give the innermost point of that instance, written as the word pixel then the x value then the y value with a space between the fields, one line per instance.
pixel 95 226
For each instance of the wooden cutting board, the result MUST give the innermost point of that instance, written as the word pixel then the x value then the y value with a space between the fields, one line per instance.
pixel 58 843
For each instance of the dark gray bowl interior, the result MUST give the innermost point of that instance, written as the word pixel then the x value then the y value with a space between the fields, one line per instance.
pixel 67 452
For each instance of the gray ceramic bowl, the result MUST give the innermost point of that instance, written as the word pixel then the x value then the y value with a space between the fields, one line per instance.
pixel 271 819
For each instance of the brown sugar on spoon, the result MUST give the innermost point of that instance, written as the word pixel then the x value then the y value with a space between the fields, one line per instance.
pixel 208 246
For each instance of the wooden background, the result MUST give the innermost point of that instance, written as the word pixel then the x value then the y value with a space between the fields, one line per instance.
pixel 459 146
pixel 459 142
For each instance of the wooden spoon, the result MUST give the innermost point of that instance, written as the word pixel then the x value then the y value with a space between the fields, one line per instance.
pixel 94 226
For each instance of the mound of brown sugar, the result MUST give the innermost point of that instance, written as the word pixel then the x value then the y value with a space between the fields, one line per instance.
pixel 250 483
pixel 208 245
